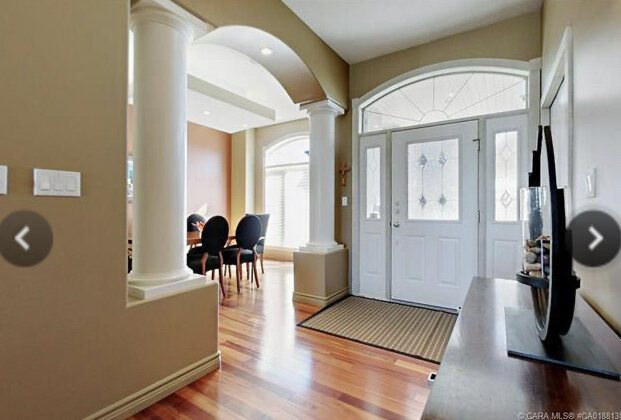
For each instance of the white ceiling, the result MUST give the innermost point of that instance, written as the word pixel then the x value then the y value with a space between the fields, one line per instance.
pixel 239 93
pixel 359 30
pixel 241 75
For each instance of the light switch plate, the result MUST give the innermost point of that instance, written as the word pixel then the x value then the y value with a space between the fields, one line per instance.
pixel 57 183
pixel 589 186
pixel 344 201
pixel 4 179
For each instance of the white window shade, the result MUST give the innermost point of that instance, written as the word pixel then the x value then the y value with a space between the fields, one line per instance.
pixel 287 193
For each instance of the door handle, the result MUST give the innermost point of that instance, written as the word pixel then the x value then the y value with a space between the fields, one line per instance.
pixel 396 224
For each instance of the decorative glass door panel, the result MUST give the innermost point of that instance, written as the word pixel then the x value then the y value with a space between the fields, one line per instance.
pixel 434 213
pixel 433 180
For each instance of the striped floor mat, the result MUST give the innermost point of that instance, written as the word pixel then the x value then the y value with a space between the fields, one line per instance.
pixel 417 332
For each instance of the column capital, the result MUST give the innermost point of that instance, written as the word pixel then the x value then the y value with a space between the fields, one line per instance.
pixel 327 105
pixel 168 13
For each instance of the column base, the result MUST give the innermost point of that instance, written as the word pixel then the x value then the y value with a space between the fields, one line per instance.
pixel 142 279
pixel 145 292
pixel 320 278
pixel 316 248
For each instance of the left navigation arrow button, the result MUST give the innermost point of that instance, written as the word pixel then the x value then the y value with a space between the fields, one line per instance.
pixel 19 238
pixel 25 238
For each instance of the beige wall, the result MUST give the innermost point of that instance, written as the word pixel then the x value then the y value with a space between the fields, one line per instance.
pixel 242 174
pixel 343 216
pixel 518 38
pixel 596 26
pixel 208 173
pixel 70 345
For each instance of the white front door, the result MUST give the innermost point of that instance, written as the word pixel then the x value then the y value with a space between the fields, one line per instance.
pixel 434 213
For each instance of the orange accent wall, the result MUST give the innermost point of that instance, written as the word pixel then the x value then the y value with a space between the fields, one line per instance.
pixel 209 170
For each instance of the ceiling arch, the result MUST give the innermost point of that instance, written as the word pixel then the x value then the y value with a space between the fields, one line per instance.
pixel 283 63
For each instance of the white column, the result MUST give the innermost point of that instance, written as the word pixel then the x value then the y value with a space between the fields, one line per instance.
pixel 322 133
pixel 161 39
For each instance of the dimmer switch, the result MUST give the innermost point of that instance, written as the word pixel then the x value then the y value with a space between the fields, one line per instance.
pixel 57 183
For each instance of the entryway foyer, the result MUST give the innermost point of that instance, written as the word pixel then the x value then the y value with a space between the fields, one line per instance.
pixel 441 153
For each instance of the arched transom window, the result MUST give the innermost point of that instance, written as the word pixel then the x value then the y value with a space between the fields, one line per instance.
pixel 461 93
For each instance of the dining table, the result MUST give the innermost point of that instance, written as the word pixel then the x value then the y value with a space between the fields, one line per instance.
pixel 193 239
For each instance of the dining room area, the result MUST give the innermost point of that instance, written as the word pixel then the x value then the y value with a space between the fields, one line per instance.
pixel 222 243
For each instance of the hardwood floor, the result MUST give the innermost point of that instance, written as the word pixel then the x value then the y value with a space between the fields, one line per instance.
pixel 273 369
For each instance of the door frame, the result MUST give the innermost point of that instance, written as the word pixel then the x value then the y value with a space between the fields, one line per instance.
pixel 562 69
pixel 533 112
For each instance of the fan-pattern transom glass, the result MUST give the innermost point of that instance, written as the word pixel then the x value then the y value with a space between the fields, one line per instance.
pixel 506 179
pixel 433 180
pixel 446 97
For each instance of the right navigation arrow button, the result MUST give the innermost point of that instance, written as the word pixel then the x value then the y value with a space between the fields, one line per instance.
pixel 598 238
pixel 595 238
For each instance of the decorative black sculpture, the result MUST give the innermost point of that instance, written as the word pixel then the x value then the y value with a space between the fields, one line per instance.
pixel 558 338
pixel 547 267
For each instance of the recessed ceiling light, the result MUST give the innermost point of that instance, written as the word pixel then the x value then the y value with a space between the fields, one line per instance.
pixel 245 125
pixel 206 112
pixel 266 51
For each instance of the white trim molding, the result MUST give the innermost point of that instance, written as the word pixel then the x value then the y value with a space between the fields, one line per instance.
pixel 562 69
pixel 160 389
pixel 319 300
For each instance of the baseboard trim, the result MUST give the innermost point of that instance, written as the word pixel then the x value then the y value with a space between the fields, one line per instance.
pixel 320 301
pixel 147 396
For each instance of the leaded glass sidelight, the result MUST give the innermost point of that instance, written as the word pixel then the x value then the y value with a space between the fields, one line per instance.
pixel 374 191
pixel 433 180
pixel 506 176
pixel 449 96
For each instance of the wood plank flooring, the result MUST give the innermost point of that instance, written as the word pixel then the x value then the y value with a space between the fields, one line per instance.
pixel 273 369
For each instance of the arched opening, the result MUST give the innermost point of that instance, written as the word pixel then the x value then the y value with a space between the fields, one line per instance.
pixel 286 192
pixel 231 80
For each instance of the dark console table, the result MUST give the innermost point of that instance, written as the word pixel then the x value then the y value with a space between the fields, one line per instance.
pixel 477 380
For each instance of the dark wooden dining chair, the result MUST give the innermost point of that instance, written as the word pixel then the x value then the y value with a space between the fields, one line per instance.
pixel 264 218
pixel 208 256
pixel 192 220
pixel 247 236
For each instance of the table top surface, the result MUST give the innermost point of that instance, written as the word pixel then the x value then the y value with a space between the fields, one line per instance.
pixel 477 379
pixel 194 238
